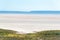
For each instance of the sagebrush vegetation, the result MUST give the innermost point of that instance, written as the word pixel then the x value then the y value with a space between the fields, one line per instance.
pixel 42 35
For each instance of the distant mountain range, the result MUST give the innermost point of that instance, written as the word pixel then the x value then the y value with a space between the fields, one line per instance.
pixel 29 11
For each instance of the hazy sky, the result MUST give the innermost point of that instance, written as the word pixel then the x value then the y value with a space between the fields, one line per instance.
pixel 27 5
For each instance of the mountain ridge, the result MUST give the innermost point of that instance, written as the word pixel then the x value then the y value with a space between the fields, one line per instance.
pixel 29 11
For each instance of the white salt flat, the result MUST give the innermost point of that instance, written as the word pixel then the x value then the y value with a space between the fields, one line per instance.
pixel 27 23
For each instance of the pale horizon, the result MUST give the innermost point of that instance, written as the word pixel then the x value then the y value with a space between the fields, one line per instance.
pixel 28 5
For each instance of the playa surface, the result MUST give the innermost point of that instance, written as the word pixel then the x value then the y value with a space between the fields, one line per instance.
pixel 27 23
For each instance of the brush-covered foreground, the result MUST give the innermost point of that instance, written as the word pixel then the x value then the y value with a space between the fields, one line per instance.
pixel 43 35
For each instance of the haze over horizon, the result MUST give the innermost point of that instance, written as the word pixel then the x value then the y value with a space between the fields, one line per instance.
pixel 28 5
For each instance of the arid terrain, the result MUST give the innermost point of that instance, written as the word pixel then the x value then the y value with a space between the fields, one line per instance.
pixel 42 35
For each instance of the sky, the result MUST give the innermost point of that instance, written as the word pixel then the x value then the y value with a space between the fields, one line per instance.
pixel 29 5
